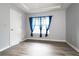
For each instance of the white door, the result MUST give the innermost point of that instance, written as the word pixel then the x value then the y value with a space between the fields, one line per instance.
pixel 15 27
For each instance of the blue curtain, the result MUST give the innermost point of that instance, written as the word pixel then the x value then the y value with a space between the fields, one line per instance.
pixel 40 26
pixel 47 28
pixel 31 28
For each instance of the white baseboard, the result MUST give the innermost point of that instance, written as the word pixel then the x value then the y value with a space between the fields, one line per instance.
pixel 4 48
pixel 46 39
pixel 8 47
pixel 73 46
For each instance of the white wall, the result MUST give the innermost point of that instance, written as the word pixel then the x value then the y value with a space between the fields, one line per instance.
pixel 72 26
pixel 4 25
pixel 57 27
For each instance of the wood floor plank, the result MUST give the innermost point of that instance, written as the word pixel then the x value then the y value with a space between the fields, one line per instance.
pixel 40 48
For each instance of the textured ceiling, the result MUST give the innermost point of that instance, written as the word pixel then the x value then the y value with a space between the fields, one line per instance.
pixel 42 7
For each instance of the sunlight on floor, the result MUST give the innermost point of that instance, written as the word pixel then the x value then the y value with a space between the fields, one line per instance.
pixel 39 49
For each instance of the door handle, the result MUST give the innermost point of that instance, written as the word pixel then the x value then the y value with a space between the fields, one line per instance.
pixel 12 29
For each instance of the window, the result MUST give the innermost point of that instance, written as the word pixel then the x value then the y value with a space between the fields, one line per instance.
pixel 37 21
pixel 45 22
pixel 36 25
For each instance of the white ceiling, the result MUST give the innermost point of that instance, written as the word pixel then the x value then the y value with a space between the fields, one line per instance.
pixel 42 7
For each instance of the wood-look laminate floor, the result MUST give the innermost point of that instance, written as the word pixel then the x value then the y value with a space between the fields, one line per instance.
pixel 40 48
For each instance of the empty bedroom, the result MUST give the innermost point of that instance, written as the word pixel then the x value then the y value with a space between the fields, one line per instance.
pixel 39 29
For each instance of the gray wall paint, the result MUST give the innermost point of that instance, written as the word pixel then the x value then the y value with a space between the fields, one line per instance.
pixel 4 25
pixel 57 27
pixel 72 25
